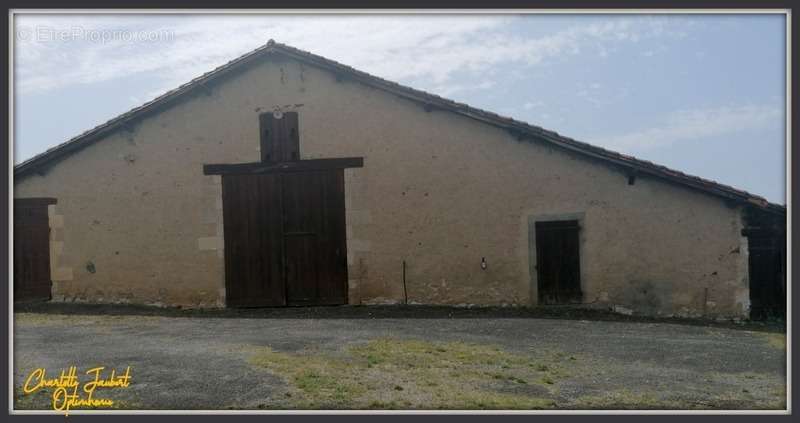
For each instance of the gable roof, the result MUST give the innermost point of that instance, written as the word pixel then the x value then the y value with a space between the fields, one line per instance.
pixel 521 130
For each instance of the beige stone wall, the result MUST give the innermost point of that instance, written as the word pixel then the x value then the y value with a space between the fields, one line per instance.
pixel 437 190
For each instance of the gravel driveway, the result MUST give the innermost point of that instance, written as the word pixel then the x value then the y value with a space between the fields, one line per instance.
pixel 397 363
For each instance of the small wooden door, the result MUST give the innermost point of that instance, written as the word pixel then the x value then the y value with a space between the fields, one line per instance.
pixel 280 137
pixel 31 249
pixel 558 262
pixel 285 239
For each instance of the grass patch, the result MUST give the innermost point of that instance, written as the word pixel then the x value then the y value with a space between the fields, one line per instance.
pixel 412 374
pixel 39 319
pixel 35 319
pixel 775 340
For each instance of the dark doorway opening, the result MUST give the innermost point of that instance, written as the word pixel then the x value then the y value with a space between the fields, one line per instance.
pixel 32 249
pixel 766 241
pixel 558 262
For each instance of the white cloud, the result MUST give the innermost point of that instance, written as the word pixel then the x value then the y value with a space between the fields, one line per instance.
pixel 428 50
pixel 532 105
pixel 692 125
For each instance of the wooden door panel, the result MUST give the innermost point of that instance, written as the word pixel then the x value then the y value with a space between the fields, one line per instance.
pixel 302 277
pixel 314 226
pixel 332 242
pixel 302 212
pixel 31 249
pixel 253 240
pixel 569 282
pixel 303 205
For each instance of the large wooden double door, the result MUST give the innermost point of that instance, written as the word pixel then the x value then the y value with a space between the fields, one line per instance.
pixel 285 238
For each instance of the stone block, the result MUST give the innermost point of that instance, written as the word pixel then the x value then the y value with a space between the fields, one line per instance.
pixel 210 243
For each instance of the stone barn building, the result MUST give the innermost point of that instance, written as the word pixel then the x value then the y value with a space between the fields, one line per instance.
pixel 283 178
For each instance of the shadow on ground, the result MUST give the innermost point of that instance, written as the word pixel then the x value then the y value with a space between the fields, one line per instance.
pixel 389 312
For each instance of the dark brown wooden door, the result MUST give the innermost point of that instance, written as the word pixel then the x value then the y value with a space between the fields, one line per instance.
pixel 558 262
pixel 31 249
pixel 253 240
pixel 314 236
pixel 285 239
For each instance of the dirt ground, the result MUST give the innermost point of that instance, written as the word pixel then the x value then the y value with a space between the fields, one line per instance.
pixel 376 358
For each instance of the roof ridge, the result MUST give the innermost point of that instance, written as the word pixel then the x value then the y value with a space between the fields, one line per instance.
pixel 507 122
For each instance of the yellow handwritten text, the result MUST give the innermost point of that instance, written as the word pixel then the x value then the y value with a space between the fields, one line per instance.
pixel 66 395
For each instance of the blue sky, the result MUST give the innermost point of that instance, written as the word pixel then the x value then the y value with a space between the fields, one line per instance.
pixel 704 94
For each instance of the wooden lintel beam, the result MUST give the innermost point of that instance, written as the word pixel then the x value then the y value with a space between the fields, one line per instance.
pixel 277 167
pixel 36 201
